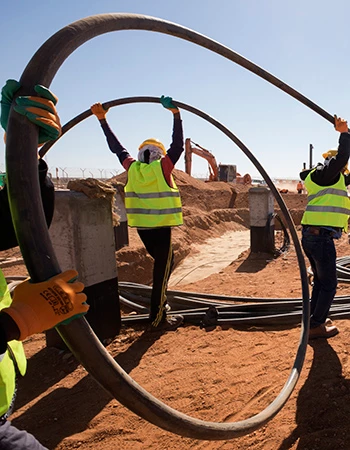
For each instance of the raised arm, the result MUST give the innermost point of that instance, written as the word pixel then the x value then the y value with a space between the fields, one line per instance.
pixel 328 173
pixel 113 143
pixel 177 145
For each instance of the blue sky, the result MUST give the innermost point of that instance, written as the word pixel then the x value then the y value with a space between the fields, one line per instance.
pixel 305 44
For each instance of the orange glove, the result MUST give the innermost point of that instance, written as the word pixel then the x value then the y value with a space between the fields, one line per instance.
pixel 340 124
pixel 98 110
pixel 37 307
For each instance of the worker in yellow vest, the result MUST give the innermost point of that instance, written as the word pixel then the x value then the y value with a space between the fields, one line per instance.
pixel 325 218
pixel 34 307
pixel 153 204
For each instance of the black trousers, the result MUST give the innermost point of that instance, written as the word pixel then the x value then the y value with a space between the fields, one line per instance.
pixel 158 244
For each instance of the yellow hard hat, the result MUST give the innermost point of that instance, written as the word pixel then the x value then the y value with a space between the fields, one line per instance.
pixel 334 152
pixel 330 153
pixel 154 142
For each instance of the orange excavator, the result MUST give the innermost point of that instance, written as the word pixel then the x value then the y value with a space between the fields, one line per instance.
pixel 204 153
pixel 222 171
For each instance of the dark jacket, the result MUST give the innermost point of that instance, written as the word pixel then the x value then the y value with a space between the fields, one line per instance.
pixel 7 236
pixel 328 173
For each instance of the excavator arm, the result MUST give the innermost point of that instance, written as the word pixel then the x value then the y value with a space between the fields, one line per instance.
pixel 202 152
pixel 212 165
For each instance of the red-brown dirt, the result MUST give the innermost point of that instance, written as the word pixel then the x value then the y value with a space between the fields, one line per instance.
pixel 224 375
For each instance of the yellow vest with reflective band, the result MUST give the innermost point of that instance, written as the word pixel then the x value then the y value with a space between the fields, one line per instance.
pixel 7 366
pixel 327 205
pixel 149 201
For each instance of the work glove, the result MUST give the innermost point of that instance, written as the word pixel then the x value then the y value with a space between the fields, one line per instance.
pixel 40 110
pixel 37 307
pixel 340 124
pixel 98 110
pixel 7 93
pixel 167 102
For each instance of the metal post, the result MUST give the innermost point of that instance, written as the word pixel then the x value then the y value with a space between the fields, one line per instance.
pixel 310 156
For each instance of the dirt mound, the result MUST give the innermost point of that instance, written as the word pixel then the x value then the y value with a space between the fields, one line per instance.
pixel 210 209
pixel 203 195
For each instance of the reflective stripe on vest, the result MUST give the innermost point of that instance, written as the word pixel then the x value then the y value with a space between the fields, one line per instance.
pixel 153 194
pixel 149 201
pixel 328 206
pixel 7 366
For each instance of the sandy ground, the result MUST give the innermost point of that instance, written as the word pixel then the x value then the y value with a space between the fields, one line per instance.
pixel 209 258
pixel 224 375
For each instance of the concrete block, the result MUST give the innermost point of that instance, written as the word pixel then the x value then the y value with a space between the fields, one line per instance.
pixel 82 235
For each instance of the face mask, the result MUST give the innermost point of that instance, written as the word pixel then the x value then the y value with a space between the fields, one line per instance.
pixel 155 153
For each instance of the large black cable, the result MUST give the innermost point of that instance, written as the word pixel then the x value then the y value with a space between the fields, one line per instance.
pixel 145 290
pixel 246 311
pixel 240 319
pixel 195 308
pixel 39 255
pixel 303 341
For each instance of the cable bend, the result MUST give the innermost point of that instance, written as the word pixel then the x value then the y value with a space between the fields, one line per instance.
pixel 38 253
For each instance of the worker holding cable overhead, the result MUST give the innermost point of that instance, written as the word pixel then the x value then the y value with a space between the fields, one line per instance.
pixel 33 307
pixel 325 218
pixel 153 204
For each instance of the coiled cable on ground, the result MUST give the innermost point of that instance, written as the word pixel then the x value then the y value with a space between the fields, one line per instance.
pixel 231 310
pixel 268 312
pixel 342 267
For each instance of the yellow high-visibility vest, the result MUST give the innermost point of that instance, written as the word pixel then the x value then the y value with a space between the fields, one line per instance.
pixel 149 201
pixel 327 205
pixel 7 365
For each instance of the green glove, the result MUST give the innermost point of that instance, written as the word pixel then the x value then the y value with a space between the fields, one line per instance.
pixel 39 110
pixel 167 102
pixel 7 93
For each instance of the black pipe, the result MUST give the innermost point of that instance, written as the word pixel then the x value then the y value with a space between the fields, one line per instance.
pixel 38 253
